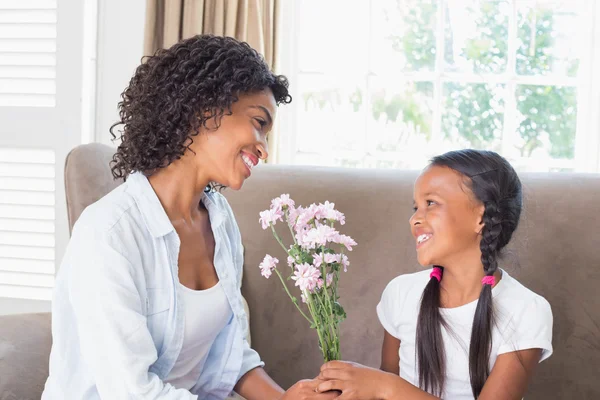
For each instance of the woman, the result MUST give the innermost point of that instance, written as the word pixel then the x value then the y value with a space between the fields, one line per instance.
pixel 147 302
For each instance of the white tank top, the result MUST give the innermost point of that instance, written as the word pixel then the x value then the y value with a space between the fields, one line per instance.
pixel 206 314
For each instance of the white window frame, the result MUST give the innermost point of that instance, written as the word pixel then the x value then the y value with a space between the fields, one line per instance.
pixel 587 142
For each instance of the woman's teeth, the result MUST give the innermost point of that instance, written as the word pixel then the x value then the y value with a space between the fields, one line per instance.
pixel 247 161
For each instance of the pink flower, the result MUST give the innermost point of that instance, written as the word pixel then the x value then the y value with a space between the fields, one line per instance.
pixel 282 201
pixel 290 260
pixel 345 241
pixel 329 279
pixel 318 260
pixel 303 297
pixel 345 262
pixel 327 211
pixel 305 215
pixel 333 258
pixel 267 266
pixel 292 215
pixel 306 277
pixel 318 236
pixel 270 217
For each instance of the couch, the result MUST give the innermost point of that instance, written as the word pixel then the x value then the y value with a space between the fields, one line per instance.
pixel 555 252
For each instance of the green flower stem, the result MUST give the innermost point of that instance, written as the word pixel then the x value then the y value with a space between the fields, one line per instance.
pixel 313 311
pixel 279 239
pixel 287 217
pixel 292 297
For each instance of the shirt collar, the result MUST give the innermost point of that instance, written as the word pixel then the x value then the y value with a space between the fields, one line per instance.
pixel 155 217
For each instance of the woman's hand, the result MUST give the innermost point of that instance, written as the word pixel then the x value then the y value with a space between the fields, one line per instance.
pixel 306 390
pixel 355 381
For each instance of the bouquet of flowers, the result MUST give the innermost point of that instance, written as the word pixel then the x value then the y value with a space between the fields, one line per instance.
pixel 315 258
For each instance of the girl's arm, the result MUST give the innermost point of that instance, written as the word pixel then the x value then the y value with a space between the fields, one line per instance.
pixel 511 375
pixel 357 382
pixel 508 380
pixel 390 355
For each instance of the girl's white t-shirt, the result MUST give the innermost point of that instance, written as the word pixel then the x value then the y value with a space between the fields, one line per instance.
pixel 523 321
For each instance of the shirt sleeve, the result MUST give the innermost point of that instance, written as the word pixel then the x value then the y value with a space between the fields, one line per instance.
pixel 533 330
pixel 389 307
pixel 115 343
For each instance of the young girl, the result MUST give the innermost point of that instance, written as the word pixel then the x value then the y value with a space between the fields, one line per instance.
pixel 464 329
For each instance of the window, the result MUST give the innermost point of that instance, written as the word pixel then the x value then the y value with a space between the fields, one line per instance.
pixel 41 112
pixel 390 83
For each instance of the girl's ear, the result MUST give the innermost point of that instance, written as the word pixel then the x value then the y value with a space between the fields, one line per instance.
pixel 479 211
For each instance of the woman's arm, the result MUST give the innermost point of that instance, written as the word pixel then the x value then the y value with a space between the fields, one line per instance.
pixel 257 385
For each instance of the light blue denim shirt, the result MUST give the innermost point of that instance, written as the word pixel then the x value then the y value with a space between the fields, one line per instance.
pixel 117 319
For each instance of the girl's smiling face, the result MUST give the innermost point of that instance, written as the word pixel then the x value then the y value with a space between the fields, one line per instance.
pixel 446 223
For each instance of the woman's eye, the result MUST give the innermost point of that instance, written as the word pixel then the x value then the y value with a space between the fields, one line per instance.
pixel 430 202
pixel 261 122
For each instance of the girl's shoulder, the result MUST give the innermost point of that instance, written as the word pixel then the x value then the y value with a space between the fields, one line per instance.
pixel 407 287
pixel 510 291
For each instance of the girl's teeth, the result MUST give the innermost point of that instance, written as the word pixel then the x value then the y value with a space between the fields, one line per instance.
pixel 422 238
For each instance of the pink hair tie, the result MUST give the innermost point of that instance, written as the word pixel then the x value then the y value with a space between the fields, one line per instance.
pixel 489 280
pixel 436 273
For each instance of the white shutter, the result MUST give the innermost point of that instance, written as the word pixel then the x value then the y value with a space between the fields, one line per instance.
pixel 27 213
pixel 27 53
pixel 40 109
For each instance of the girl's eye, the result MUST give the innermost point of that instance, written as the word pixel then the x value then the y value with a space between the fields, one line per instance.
pixel 261 122
pixel 430 202
pixel 415 209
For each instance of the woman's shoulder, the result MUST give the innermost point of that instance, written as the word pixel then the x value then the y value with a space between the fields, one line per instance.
pixel 116 219
pixel 103 214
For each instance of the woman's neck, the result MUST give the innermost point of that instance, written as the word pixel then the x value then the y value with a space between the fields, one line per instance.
pixel 179 188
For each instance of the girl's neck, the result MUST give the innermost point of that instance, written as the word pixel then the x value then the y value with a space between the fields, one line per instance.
pixel 461 283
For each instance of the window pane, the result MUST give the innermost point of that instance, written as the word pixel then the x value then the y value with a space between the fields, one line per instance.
pixel 473 115
pixel 333 36
pixel 403 35
pixel 348 162
pixel 476 36
pixel 549 38
pixel 547 119
pixel 330 114
pixel 400 117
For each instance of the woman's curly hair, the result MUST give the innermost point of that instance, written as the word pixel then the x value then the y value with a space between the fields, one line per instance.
pixel 177 90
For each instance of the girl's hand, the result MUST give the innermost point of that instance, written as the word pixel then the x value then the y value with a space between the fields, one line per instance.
pixel 355 381
pixel 306 390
